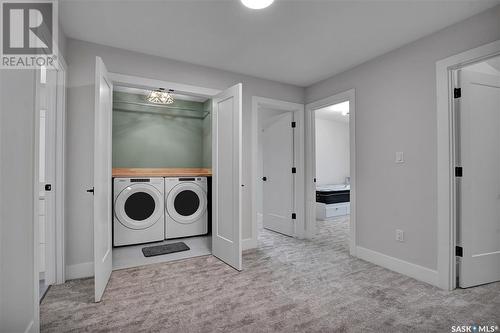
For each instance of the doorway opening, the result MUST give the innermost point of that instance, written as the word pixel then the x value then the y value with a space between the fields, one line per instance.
pixel 172 207
pixel 477 181
pixel 330 169
pixel 146 199
pixel 278 168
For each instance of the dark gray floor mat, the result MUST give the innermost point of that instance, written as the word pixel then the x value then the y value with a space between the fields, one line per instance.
pixel 158 250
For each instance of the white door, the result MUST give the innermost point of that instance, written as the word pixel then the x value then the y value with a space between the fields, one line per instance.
pixel 102 178
pixel 278 179
pixel 227 182
pixel 479 188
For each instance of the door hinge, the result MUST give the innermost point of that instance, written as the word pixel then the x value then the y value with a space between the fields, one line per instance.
pixel 48 187
pixel 294 124
pixel 457 92
pixel 459 251
pixel 314 180
pixel 294 216
pixel 294 170
pixel 459 172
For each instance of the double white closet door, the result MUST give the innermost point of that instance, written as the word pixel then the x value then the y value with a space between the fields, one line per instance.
pixel 226 181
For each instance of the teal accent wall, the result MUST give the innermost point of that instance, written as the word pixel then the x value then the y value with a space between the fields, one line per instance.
pixel 157 137
pixel 207 134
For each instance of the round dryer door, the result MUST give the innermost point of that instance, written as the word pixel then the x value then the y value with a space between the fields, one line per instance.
pixel 139 206
pixel 186 203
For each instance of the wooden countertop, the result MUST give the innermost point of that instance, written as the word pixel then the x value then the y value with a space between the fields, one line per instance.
pixel 161 172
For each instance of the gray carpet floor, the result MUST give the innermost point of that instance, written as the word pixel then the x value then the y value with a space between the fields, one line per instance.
pixel 287 285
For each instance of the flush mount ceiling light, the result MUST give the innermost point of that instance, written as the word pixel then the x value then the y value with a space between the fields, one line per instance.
pixel 257 4
pixel 160 96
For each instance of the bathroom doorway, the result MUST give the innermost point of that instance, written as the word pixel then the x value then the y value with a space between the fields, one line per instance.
pixel 330 168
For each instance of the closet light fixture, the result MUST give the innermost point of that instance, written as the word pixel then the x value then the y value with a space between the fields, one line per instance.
pixel 160 96
pixel 257 4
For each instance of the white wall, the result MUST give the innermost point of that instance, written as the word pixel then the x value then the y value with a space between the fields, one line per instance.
pixel 332 151
pixel 17 146
pixel 81 58
pixel 396 111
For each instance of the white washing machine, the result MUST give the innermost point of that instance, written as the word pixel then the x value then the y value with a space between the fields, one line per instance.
pixel 139 213
pixel 186 207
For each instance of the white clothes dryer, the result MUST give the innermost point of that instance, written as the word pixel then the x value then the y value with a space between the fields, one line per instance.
pixel 186 207
pixel 139 214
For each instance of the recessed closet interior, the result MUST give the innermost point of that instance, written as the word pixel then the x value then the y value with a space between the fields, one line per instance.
pixel 148 135
pixel 161 159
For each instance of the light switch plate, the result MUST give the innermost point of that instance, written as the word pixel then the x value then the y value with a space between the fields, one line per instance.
pixel 400 235
pixel 400 157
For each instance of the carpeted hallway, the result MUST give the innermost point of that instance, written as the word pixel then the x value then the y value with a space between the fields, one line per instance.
pixel 287 285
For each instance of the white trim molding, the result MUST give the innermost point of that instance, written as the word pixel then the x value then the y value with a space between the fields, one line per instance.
pixel 34 326
pixel 146 83
pixel 310 167
pixel 60 172
pixel 445 157
pixel 397 265
pixel 55 237
pixel 298 109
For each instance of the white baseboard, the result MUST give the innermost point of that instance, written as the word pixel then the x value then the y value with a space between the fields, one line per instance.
pixel 403 267
pixel 79 271
pixel 248 243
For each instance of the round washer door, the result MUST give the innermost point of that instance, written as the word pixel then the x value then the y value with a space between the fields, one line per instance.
pixel 139 206
pixel 186 203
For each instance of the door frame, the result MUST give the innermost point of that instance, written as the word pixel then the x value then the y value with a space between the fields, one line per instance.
pixel 147 83
pixel 446 191
pixel 55 239
pixel 118 79
pixel 349 95
pixel 298 110
pixel 60 174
